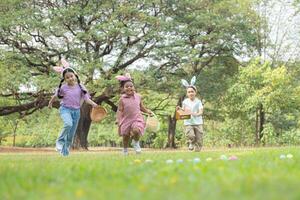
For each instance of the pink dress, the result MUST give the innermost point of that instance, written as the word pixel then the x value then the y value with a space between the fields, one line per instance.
pixel 131 117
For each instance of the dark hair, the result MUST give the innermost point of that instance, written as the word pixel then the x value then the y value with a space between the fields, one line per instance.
pixel 193 87
pixel 122 83
pixel 63 79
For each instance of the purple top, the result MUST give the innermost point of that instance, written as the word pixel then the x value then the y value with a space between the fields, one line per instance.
pixel 72 96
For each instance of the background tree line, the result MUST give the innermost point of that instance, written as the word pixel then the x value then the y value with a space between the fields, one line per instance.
pixel 251 94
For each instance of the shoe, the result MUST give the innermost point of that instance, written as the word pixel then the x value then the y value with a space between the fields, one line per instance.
pixel 191 147
pixel 136 146
pixel 197 148
pixel 59 151
pixel 58 147
pixel 125 152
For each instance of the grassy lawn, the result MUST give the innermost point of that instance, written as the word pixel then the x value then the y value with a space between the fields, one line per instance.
pixel 257 174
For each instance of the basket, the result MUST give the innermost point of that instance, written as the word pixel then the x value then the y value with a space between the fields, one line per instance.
pixel 152 123
pixel 98 113
pixel 181 114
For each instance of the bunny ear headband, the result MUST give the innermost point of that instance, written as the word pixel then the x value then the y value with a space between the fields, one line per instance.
pixel 187 85
pixel 125 77
pixel 64 65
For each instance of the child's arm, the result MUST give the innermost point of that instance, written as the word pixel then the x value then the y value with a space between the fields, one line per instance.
pixel 200 111
pixel 51 101
pixel 182 107
pixel 89 101
pixel 119 112
pixel 144 109
pixel 87 98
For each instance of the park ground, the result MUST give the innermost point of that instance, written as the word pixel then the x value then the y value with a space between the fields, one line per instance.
pixel 104 173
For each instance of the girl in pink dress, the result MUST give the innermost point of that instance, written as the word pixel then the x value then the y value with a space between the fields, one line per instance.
pixel 129 117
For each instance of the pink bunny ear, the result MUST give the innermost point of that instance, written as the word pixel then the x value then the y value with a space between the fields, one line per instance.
pixel 128 75
pixel 65 63
pixel 58 69
pixel 123 78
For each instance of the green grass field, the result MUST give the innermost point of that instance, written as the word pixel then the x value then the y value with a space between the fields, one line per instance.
pixel 257 174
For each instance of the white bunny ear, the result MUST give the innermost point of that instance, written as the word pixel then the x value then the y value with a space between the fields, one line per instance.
pixel 184 83
pixel 65 63
pixel 193 80
pixel 58 69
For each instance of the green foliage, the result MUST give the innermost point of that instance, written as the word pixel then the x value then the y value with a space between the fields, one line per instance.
pixel 105 133
pixel 3 134
pixel 274 88
pixel 37 130
pixel 165 41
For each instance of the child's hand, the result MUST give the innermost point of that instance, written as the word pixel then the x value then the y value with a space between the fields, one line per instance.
pixel 94 105
pixel 150 113
pixel 196 114
pixel 178 108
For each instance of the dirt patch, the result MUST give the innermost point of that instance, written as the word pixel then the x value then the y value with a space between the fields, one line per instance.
pixel 23 150
pixel 5 149
pixel 91 149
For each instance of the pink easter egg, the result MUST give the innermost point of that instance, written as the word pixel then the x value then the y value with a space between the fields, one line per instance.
pixel 233 158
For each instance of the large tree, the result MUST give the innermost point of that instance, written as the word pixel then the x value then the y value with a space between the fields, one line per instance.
pixel 274 90
pixel 99 38
pixel 206 38
pixel 102 38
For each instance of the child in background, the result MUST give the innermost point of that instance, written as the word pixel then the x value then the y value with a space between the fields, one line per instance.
pixel 71 93
pixel 129 117
pixel 194 125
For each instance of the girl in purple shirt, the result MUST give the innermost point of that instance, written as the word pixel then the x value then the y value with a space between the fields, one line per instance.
pixel 71 93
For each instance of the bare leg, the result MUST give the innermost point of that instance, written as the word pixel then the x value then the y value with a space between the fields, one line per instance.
pixel 136 137
pixel 126 139
pixel 136 134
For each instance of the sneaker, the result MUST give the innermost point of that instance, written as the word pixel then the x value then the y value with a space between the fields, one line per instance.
pixel 58 150
pixel 125 152
pixel 197 148
pixel 191 147
pixel 136 146
pixel 58 147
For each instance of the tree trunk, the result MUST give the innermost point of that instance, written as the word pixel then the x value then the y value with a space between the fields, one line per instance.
pixel 15 131
pixel 80 140
pixel 171 132
pixel 172 126
pixel 84 124
pixel 256 128
pixel 260 121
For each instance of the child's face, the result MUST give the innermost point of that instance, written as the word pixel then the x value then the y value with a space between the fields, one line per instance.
pixel 191 93
pixel 129 88
pixel 70 78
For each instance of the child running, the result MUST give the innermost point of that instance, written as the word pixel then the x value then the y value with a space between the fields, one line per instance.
pixel 194 125
pixel 71 93
pixel 130 120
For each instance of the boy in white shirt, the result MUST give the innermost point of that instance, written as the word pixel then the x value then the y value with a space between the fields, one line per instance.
pixel 194 125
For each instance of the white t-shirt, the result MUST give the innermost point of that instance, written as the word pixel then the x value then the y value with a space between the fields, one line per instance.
pixel 194 106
